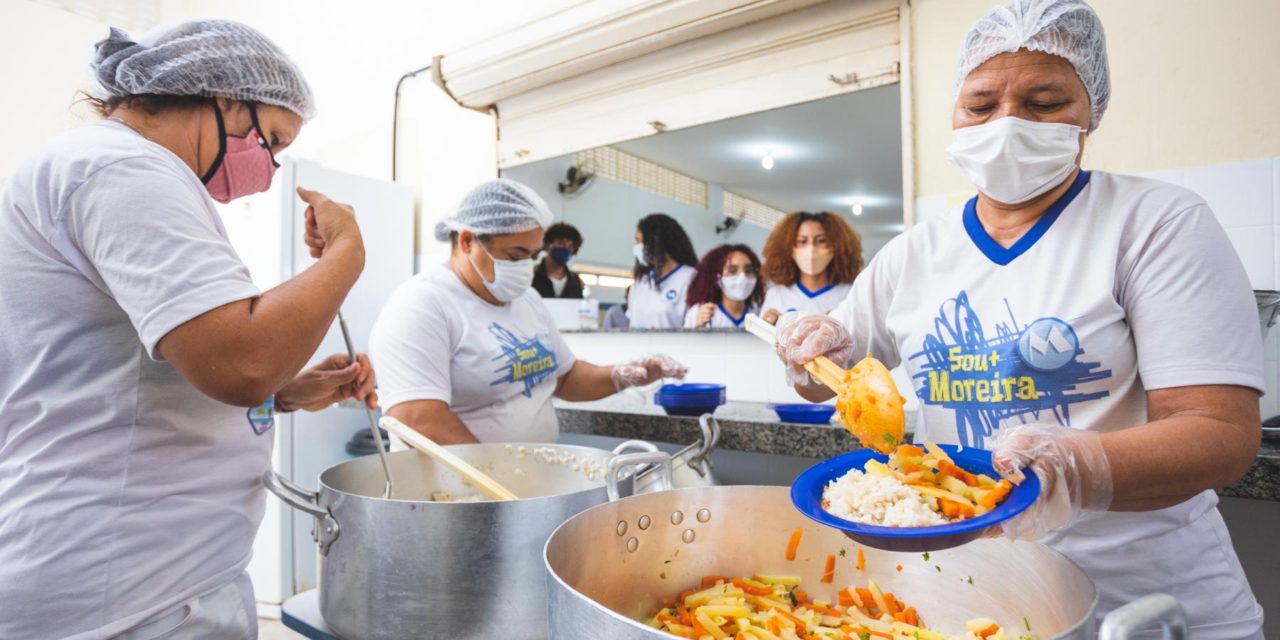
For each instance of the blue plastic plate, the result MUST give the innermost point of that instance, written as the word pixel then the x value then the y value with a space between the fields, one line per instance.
pixel 690 399
pixel 690 411
pixel 690 388
pixel 806 495
pixel 804 413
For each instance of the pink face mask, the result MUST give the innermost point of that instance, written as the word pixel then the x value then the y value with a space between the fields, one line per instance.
pixel 244 165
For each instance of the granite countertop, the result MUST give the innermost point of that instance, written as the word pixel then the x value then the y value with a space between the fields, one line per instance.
pixel 753 427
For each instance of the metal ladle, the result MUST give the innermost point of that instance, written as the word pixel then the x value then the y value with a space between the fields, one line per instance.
pixel 373 424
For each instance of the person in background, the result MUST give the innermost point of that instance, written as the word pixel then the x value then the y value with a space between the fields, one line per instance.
pixel 141 365
pixel 1117 332
pixel 468 352
pixel 616 316
pixel 663 270
pixel 726 288
pixel 553 278
pixel 810 261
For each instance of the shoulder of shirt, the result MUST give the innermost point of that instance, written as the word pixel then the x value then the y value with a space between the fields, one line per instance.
pixel 92 147
pixel 1143 196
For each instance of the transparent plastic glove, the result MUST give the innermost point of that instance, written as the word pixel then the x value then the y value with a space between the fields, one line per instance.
pixel 1074 473
pixel 803 337
pixel 646 370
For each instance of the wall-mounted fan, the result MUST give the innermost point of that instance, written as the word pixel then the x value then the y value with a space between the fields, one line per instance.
pixel 576 180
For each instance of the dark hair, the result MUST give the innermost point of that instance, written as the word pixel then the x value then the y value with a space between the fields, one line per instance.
pixel 563 231
pixel 484 239
pixel 149 103
pixel 663 236
pixel 705 286
pixel 846 246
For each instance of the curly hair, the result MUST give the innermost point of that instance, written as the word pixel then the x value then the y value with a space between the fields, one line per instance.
pixel 705 286
pixel 663 236
pixel 846 245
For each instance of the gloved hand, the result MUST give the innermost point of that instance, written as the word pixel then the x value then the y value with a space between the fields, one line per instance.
pixel 646 370
pixel 1074 473
pixel 803 337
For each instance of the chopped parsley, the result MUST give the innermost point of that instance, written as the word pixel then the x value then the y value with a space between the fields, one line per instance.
pixel 864 635
pixel 893 442
pixel 970 579
pixel 842 553
pixel 938 568
pixel 1026 623
pixel 926 556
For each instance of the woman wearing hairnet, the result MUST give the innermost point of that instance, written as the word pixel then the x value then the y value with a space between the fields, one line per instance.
pixel 134 340
pixel 1095 327
pixel 467 352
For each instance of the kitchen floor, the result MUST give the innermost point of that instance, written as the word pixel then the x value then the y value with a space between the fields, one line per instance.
pixel 269 629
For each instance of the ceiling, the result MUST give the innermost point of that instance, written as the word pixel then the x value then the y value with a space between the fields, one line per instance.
pixel 827 154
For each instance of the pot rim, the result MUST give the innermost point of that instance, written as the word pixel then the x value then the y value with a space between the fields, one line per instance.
pixel 325 489
pixel 1087 619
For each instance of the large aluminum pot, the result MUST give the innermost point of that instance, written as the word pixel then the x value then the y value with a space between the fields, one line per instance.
pixel 410 567
pixel 611 565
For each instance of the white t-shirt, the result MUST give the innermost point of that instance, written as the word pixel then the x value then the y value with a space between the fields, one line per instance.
pixel 495 366
pixel 557 284
pixel 795 297
pixel 659 304
pixel 124 491
pixel 1124 285
pixel 720 319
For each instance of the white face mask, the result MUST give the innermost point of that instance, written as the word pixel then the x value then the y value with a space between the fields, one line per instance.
pixel 511 278
pixel 738 287
pixel 1012 160
pixel 638 251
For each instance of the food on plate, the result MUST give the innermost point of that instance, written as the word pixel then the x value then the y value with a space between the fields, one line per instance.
pixel 869 406
pixel 775 608
pixel 918 487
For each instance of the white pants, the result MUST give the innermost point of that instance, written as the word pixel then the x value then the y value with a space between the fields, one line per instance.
pixel 226 613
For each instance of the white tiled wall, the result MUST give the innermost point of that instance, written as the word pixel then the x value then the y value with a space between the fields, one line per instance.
pixel 1246 198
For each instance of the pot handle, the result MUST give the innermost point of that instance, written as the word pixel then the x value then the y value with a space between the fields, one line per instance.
pixel 710 434
pixel 635 445
pixel 633 461
pixel 305 501
pixel 1143 614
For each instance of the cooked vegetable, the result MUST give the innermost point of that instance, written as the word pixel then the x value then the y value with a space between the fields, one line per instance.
pixel 761 608
pixel 945 487
pixel 794 543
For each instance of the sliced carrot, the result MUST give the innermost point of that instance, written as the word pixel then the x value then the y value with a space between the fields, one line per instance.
pixel 830 573
pixel 862 560
pixel 996 495
pixel 801 596
pixel 953 509
pixel 794 543
pixel 990 630
pixel 710 581
pixel 913 618
pixel 899 568
pixel 910 451
pixel 844 599
pixel 800 626
pixel 751 589
pixel 949 468
pixel 740 636
pixel 891 604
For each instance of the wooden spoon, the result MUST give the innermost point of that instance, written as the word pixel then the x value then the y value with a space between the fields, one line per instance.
pixel 447 458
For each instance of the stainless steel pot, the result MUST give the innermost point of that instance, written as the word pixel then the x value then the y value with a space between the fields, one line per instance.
pixel 411 567
pixel 690 466
pixel 611 565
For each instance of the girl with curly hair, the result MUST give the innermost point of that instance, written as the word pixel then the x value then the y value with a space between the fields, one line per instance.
pixel 725 288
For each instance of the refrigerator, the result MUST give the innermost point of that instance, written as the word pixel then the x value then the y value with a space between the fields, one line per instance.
pixel 266 229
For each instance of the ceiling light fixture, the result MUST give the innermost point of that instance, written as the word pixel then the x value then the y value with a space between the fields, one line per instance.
pixel 767 161
pixel 857 208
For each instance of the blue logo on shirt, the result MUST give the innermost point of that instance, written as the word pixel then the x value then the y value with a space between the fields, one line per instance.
pixel 526 360
pixel 671 295
pixel 1017 373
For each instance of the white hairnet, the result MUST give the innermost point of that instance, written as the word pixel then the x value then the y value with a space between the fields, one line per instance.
pixel 1065 28
pixel 497 207
pixel 215 58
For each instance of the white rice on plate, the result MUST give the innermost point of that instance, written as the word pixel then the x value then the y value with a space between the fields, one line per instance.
pixel 878 500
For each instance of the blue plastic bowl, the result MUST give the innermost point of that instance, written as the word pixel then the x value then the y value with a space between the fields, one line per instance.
pixel 691 399
pixel 806 495
pixel 804 413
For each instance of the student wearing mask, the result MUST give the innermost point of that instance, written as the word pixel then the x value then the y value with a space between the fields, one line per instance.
pixel 810 261
pixel 663 270
pixel 726 288
pixel 1125 361
pixel 468 352
pixel 553 278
